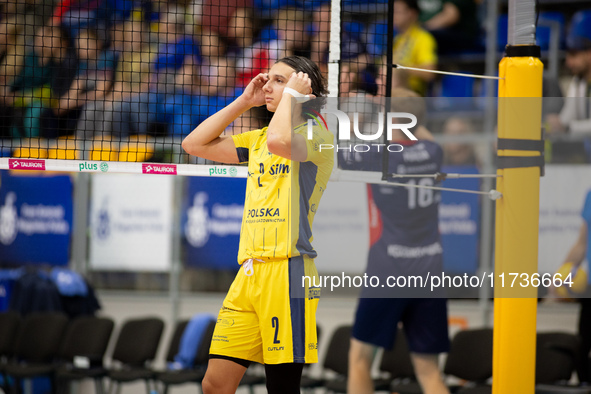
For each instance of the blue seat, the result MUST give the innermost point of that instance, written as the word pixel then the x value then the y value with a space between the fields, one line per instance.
pixel 543 30
pixel 352 44
pixel 455 92
pixel 376 38
pixel 502 32
pixel 483 94
pixel 579 31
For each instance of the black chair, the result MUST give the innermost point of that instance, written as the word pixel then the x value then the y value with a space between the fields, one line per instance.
pixel 36 348
pixel 397 367
pixel 86 337
pixel 136 347
pixel 336 361
pixel 197 372
pixel 9 325
pixel 470 359
pixel 556 356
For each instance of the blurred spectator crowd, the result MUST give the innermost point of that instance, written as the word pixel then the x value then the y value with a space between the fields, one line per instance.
pixel 122 70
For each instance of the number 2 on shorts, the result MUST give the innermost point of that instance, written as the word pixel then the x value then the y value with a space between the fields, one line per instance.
pixel 275 325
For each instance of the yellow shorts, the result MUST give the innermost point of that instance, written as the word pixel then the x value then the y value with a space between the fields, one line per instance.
pixel 268 318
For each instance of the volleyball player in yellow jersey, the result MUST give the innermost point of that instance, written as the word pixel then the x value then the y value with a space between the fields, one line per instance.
pixel 413 45
pixel 267 316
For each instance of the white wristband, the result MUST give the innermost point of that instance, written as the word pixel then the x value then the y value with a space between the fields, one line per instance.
pixel 300 98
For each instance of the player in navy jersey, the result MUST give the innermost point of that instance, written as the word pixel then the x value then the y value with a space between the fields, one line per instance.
pixel 578 253
pixel 404 241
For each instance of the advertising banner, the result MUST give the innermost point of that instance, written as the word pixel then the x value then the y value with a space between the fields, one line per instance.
pixel 35 219
pixel 459 222
pixel 211 221
pixel 131 222
pixel 563 189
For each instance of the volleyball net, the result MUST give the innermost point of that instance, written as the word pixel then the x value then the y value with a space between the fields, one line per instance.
pixel 106 85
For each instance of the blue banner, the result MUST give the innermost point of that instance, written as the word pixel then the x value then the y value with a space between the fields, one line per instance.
pixel 35 219
pixel 211 221
pixel 459 222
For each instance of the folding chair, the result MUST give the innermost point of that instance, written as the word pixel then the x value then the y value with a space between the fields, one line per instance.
pixel 87 337
pixel 470 359
pixel 397 365
pixel 136 347
pixel 556 357
pixel 9 325
pixel 36 347
pixel 191 375
pixel 335 360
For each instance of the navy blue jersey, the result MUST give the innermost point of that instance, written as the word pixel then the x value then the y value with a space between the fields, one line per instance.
pixel 404 221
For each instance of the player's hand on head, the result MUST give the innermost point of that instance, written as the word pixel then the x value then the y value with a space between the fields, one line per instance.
pixel 254 92
pixel 300 82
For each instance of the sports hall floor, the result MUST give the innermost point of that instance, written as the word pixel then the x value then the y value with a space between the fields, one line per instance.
pixel 332 312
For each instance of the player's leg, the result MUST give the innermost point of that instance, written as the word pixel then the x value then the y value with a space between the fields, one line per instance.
pixel 425 326
pixel 236 339
pixel 287 314
pixel 287 311
pixel 223 375
pixel 361 357
pixel 283 378
pixel 376 324
pixel 428 374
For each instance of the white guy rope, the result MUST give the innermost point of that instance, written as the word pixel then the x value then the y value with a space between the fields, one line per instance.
pixel 445 72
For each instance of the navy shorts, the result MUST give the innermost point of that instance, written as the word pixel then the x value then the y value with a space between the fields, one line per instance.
pixel 424 321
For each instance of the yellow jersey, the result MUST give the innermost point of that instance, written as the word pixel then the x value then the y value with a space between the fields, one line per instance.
pixel 415 47
pixel 282 195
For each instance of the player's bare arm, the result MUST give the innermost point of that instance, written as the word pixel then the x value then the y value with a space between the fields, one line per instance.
pixel 206 140
pixel 576 255
pixel 280 137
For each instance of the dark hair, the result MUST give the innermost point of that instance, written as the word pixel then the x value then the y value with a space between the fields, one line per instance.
pixel 319 82
pixel 412 4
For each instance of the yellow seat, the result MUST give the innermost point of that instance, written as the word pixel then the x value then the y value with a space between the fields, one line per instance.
pixel 64 148
pixel 138 148
pixel 104 150
pixel 31 148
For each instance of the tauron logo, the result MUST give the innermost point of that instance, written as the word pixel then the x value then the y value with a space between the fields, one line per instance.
pixel 169 169
pixel 26 164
